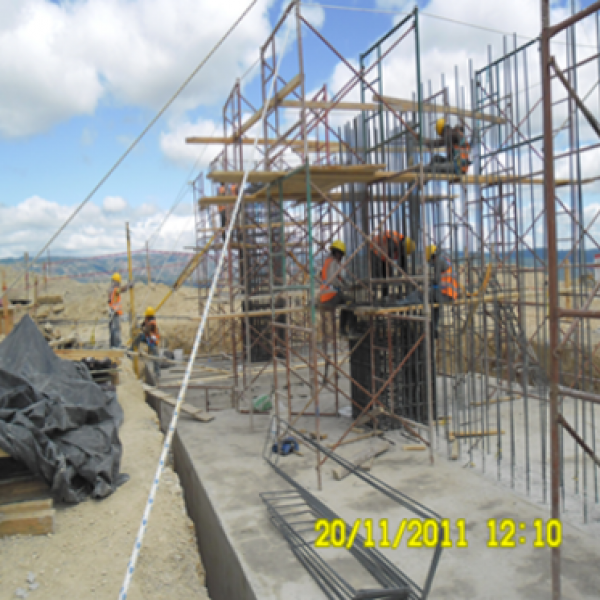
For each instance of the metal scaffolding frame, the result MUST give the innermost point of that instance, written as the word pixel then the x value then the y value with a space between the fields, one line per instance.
pixel 510 379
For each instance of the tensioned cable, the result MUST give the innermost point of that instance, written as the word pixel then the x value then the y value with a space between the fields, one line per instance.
pixel 383 11
pixel 172 426
pixel 138 139
pixel 153 238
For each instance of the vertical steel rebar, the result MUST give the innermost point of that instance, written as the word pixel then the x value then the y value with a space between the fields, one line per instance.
pixel 550 214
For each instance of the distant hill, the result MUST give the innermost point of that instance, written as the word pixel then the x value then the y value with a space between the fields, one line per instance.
pixel 165 267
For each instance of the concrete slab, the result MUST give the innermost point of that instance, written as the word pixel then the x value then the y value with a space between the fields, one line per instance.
pixel 222 472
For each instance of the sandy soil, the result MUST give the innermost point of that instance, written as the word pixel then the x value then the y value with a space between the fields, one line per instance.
pixel 88 554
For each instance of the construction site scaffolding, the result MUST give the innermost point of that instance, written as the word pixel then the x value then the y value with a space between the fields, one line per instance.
pixel 505 376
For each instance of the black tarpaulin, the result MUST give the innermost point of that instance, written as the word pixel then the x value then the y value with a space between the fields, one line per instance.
pixel 56 420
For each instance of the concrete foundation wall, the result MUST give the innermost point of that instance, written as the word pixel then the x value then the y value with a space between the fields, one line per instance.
pixel 225 578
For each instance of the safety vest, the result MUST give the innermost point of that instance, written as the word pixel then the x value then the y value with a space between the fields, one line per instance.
pixel 449 285
pixel 327 290
pixel 382 240
pixel 461 156
pixel 234 190
pixel 222 190
pixel 153 337
pixel 115 301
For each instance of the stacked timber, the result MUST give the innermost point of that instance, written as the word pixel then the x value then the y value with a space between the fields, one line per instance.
pixel 26 507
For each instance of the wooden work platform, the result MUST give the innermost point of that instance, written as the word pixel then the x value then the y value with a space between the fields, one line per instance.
pixel 330 178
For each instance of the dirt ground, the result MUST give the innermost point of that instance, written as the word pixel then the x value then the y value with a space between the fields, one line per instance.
pixel 87 556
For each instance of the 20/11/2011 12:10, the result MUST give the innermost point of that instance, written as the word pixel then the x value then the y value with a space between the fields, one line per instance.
pixel 430 533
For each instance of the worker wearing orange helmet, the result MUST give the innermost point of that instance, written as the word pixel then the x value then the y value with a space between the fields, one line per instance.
pixel 453 139
pixel 443 284
pixel 397 247
pixel 115 309
pixel 333 284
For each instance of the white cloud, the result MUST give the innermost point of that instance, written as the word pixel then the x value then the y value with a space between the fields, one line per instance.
pixel 173 146
pixel 114 204
pixel 95 231
pixel 57 61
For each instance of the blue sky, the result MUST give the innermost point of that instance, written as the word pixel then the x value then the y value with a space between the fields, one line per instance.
pixel 80 80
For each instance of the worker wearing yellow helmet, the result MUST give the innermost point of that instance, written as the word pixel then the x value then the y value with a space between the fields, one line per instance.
pixel 397 247
pixel 443 284
pixel 333 284
pixel 115 309
pixel 453 140
pixel 150 336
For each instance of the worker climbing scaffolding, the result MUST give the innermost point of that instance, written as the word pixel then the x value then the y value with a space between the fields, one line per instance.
pixel 458 150
pixel 443 285
pixel 334 285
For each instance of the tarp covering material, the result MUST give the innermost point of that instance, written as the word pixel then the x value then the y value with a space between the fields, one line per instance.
pixel 56 420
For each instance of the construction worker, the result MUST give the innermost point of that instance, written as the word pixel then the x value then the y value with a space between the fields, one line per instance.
pixel 115 309
pixel 222 191
pixel 444 286
pixel 457 159
pixel 397 247
pixel 149 335
pixel 333 283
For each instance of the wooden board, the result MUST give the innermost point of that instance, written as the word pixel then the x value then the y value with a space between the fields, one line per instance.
pixel 31 506
pixel 49 300
pixel 411 106
pixel 39 522
pixel 20 489
pixel 286 90
pixel 328 178
pixel 4 454
pixel 464 434
pixel 114 355
pixel 196 413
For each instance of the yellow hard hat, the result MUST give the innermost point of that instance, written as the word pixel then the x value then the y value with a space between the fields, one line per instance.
pixel 439 125
pixel 409 245
pixel 338 245
pixel 150 312
pixel 430 251
pixel 116 277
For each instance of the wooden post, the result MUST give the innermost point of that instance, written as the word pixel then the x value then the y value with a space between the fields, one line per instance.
pixel 26 275
pixel 136 366
pixel 35 298
pixel 148 264
pixel 4 304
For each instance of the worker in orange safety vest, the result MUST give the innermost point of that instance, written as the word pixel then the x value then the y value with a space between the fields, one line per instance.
pixel 333 284
pixel 443 285
pixel 115 309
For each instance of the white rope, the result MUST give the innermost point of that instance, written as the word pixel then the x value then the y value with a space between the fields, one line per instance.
pixel 180 398
pixel 136 141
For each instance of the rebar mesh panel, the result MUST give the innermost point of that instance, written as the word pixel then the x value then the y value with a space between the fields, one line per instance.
pixel 372 363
